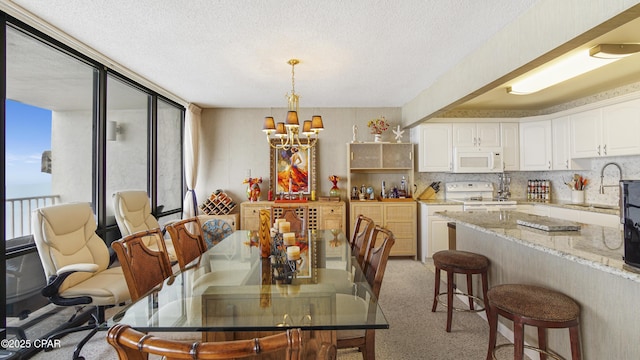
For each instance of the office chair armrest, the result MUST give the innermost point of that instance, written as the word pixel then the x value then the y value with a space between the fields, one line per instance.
pixel 82 267
pixel 52 289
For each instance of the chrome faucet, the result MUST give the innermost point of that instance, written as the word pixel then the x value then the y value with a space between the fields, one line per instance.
pixel 504 191
pixel 602 186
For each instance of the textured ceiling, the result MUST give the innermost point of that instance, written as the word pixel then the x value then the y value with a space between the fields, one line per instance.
pixel 233 53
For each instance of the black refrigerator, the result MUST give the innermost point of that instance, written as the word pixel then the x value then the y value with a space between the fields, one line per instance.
pixel 630 217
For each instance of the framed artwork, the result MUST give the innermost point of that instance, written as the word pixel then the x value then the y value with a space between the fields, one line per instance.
pixel 292 169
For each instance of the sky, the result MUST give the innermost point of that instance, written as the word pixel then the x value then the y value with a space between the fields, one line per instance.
pixel 28 134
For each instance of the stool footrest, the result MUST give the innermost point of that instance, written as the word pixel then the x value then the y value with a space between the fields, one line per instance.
pixel 444 303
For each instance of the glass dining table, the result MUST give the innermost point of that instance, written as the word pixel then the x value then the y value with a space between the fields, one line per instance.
pixel 230 292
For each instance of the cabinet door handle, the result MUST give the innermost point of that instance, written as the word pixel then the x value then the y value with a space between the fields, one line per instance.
pixel 549 166
pixel 475 141
pixel 605 149
pixel 598 150
pixel 410 155
pixel 566 164
pixel 478 141
pixel 352 156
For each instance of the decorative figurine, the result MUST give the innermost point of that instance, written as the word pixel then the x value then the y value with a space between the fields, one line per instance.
pixel 398 134
pixel 253 190
pixel 355 134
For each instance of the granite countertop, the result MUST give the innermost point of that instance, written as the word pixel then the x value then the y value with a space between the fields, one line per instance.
pixel 598 208
pixel 596 246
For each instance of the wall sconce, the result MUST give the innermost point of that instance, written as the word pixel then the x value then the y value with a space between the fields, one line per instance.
pixel 113 130
pixel 577 64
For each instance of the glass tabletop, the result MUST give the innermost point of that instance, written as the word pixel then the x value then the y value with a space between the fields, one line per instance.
pixel 232 288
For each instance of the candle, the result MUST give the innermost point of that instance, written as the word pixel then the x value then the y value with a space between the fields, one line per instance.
pixel 289 238
pixel 290 185
pixel 278 221
pixel 293 252
pixel 284 227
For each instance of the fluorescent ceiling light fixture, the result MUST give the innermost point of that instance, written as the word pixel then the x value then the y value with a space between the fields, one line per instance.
pixel 613 51
pixel 558 72
pixel 578 64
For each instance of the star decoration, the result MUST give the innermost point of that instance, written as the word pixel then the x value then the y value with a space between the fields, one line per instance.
pixel 398 134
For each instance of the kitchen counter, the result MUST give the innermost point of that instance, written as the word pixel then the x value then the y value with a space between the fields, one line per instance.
pixel 595 246
pixel 586 265
pixel 597 208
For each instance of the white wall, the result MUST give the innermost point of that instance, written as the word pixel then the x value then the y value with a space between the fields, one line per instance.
pixel 232 144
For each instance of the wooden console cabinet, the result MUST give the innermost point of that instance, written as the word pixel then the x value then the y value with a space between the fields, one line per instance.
pixel 323 215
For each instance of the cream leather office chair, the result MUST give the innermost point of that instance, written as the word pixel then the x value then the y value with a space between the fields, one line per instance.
pixel 132 210
pixel 76 263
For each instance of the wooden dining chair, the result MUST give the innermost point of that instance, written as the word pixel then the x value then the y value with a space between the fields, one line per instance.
pixel 297 216
pixel 360 244
pixel 376 264
pixel 131 344
pixel 187 239
pixel 143 267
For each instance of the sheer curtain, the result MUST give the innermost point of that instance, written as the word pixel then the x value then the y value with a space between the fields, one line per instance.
pixel 191 135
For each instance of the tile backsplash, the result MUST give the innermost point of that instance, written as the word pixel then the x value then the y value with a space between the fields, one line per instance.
pixel 559 191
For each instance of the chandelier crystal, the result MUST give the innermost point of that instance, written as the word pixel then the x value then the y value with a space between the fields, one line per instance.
pixel 288 132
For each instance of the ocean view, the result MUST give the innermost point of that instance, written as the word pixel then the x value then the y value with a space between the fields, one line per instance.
pixel 17 217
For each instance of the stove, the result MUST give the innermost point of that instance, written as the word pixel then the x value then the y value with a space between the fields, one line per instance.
pixel 476 196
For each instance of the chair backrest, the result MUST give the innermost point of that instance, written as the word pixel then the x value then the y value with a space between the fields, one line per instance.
pixel 143 268
pixel 187 239
pixel 131 344
pixel 65 234
pixel 376 260
pixel 360 244
pixel 132 211
pixel 297 216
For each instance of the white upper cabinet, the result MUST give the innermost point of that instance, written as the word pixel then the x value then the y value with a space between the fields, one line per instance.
pixel 476 134
pixel 608 131
pixel 435 151
pixel 560 143
pixel 510 146
pixel 586 137
pixel 621 127
pixel 535 145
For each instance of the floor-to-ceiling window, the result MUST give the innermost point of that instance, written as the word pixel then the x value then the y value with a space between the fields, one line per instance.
pixel 75 131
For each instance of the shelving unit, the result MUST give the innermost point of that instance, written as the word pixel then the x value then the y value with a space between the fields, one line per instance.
pixel 372 163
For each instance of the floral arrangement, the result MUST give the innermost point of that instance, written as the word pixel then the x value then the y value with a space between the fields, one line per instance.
pixel 378 126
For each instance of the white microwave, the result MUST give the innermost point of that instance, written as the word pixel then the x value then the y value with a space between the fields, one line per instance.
pixel 477 160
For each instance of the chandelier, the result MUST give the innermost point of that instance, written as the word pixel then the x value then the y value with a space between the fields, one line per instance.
pixel 288 132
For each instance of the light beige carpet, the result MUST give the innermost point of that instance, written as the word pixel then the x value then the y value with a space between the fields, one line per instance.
pixel 415 332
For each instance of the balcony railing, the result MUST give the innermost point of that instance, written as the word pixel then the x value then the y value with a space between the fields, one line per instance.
pixel 18 213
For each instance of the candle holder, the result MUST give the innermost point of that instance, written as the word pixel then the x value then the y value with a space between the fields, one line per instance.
pixel 284 269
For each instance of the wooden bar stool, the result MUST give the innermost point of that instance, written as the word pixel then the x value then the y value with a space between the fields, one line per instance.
pixel 534 306
pixel 461 262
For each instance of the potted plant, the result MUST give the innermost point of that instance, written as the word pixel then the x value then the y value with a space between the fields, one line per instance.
pixel 378 126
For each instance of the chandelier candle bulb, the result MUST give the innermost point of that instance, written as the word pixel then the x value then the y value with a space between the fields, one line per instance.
pixel 289 238
pixel 293 252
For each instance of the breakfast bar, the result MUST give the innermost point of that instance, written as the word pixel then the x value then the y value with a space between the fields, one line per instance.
pixel 585 263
